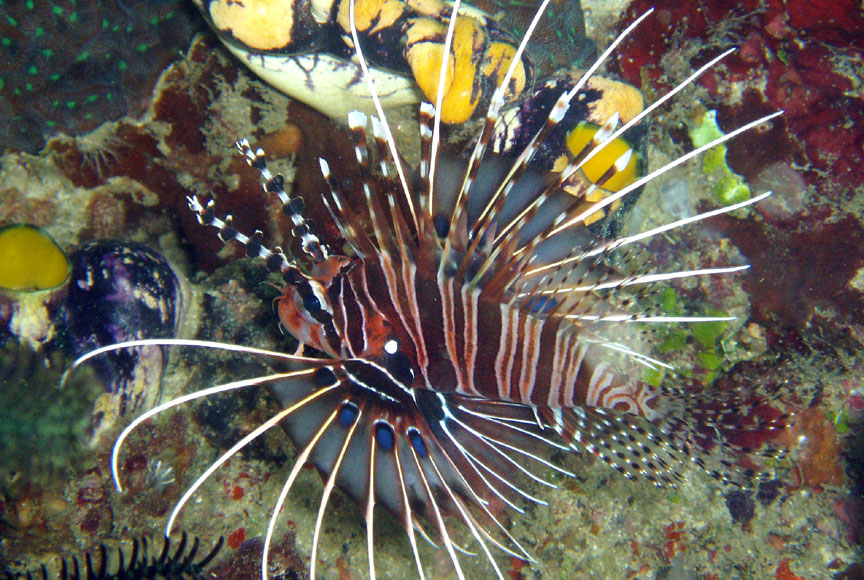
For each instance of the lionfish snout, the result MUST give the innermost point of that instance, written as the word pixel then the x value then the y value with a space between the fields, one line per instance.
pixel 471 333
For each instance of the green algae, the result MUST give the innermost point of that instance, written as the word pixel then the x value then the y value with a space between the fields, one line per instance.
pixel 729 187
pixel 705 338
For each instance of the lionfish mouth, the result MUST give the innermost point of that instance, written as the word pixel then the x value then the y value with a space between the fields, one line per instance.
pixel 467 337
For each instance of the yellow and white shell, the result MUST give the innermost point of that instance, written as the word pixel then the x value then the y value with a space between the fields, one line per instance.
pixel 303 48
pixel 297 46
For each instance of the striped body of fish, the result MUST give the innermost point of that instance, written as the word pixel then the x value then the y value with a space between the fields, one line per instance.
pixel 475 327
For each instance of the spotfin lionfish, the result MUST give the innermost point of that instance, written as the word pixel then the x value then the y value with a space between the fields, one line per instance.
pixel 468 334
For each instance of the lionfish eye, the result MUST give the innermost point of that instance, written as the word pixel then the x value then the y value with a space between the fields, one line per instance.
pixel 391 346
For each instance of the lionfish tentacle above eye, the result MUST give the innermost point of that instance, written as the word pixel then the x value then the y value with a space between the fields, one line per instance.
pixel 477 327
pixel 275 259
pixel 292 207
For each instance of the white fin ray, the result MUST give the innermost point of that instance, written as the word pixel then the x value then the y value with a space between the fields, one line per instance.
pixel 439 520
pixel 621 242
pixel 257 432
pixel 367 76
pixel 469 521
pixel 328 489
pixel 642 279
pixel 439 100
pixel 596 207
pixel 493 444
pixel 495 105
pixel 225 346
pixel 370 511
pixel 299 463
pixel 409 517
pixel 558 111
pixel 255 381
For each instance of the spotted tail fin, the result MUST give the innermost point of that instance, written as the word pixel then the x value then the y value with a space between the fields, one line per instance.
pixel 722 432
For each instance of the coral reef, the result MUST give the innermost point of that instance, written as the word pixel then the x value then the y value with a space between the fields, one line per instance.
pixel 799 320
pixel 127 180
pixel 805 244
pixel 72 65
pixel 802 60
pixel 560 40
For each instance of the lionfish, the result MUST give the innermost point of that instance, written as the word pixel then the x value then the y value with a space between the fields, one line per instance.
pixel 468 334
